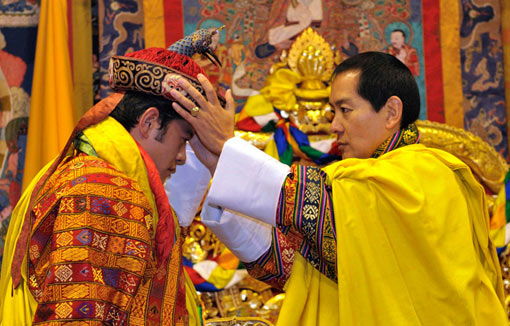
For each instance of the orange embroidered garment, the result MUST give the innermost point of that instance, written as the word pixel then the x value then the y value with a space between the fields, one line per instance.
pixel 92 249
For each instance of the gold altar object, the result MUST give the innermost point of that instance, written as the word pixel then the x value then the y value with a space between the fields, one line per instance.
pixel 505 271
pixel 200 243
pixel 487 165
pixel 298 85
pixel 248 303
pixel 238 321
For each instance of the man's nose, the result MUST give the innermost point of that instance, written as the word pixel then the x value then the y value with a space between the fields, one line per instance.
pixel 181 156
pixel 336 125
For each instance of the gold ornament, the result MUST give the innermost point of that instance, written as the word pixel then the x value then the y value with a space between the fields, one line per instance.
pixel 195 111
pixel 488 166
pixel 311 56
pixel 298 84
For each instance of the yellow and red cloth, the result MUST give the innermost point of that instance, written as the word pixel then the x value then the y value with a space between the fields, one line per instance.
pixel 287 140
pixel 84 236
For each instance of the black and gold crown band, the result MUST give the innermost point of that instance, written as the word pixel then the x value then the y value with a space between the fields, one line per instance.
pixel 131 74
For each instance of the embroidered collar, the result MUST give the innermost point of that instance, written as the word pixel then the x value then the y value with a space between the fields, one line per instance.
pixel 406 136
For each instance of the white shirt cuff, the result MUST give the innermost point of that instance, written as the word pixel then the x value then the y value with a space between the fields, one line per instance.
pixel 187 186
pixel 247 181
pixel 247 238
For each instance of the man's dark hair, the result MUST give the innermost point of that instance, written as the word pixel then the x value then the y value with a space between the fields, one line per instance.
pixel 382 76
pixel 399 30
pixel 131 107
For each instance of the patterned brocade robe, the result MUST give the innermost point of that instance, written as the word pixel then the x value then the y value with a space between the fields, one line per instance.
pixel 92 250
pixel 92 256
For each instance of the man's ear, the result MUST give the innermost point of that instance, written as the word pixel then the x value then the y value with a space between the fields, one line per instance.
pixel 148 122
pixel 394 109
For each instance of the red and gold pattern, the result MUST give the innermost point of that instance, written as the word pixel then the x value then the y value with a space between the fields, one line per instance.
pixel 91 254
pixel 131 73
pixel 275 265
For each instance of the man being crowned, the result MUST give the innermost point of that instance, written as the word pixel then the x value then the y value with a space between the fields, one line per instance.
pixel 93 239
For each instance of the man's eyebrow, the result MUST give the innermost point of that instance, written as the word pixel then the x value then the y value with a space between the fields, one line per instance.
pixel 189 134
pixel 339 102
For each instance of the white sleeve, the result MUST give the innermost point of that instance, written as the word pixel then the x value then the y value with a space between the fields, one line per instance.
pixel 187 186
pixel 247 181
pixel 247 238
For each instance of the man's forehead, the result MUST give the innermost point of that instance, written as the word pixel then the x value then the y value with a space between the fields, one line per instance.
pixel 183 126
pixel 398 33
pixel 188 130
pixel 344 85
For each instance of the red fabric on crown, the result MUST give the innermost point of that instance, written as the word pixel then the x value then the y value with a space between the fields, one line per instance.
pixel 170 59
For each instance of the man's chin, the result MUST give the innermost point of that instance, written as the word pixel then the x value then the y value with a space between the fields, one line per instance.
pixel 346 154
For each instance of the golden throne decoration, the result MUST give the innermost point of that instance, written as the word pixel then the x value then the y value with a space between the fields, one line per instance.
pixel 247 303
pixel 488 166
pixel 298 84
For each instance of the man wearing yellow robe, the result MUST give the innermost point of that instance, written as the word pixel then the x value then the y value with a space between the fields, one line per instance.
pixel 394 234
pixel 93 240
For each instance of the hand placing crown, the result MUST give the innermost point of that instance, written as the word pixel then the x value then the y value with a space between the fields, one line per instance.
pixel 157 71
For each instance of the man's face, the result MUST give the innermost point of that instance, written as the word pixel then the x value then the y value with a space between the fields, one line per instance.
pixel 397 39
pixel 169 149
pixel 359 128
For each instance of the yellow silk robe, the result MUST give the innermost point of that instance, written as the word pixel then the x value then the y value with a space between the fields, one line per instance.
pixel 413 247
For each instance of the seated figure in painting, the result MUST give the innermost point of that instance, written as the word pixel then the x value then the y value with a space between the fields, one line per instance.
pixel 403 51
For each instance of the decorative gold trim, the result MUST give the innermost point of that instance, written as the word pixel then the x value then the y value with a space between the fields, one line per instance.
pixel 487 165
pixel 504 260
pixel 259 139
pixel 238 321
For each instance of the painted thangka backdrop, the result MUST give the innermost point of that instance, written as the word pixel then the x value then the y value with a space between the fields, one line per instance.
pixel 453 48
pixel 121 26
pixel 482 64
pixel 257 31
pixel 18 31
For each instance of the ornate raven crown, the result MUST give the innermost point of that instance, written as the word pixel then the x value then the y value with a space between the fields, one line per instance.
pixel 157 71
